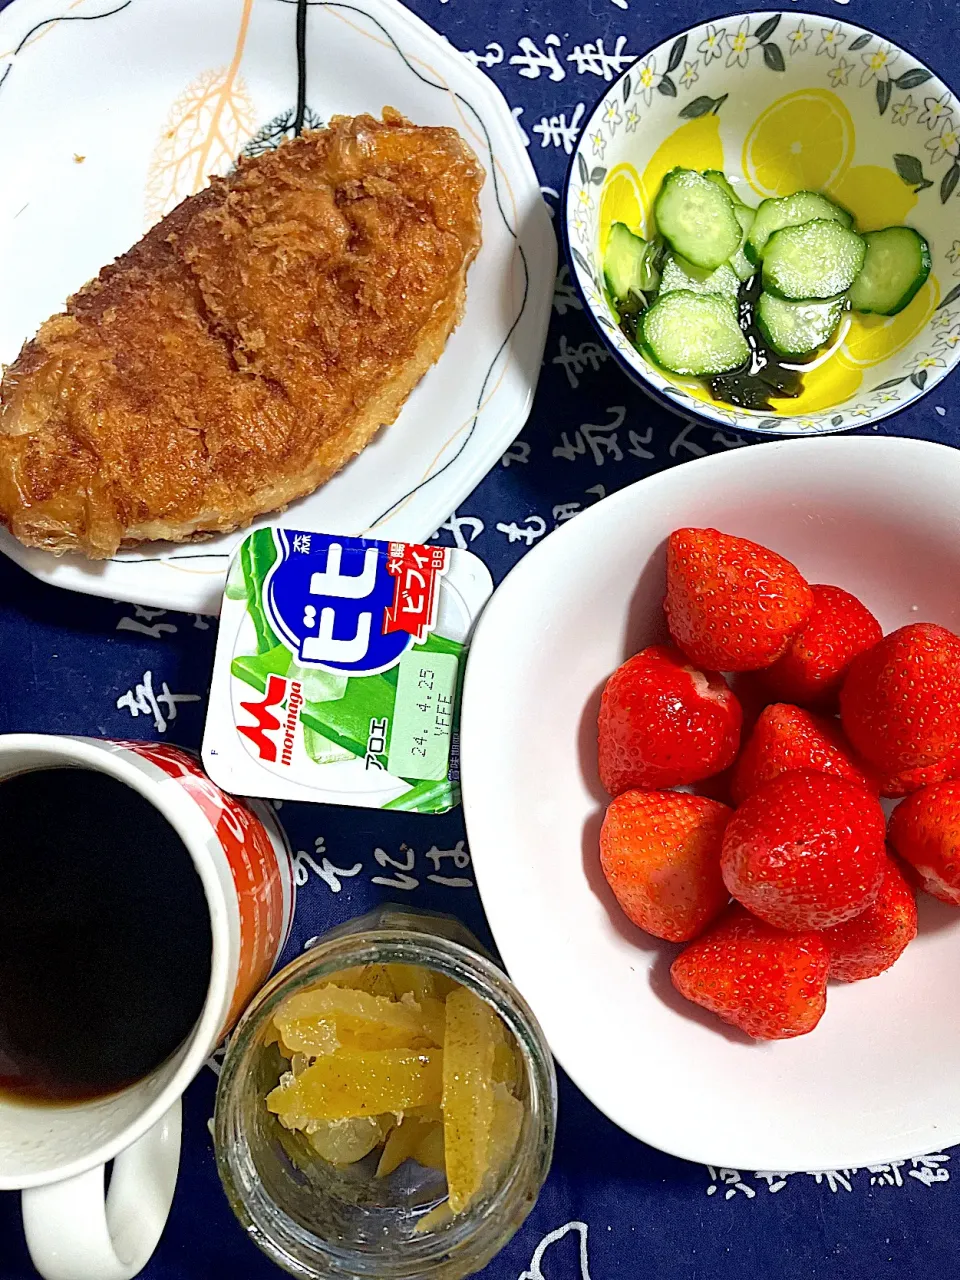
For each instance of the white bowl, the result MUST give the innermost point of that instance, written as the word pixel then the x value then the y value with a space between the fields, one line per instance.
pixel 855 115
pixel 877 1080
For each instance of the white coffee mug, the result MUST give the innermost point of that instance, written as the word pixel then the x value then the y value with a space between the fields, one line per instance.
pixel 57 1154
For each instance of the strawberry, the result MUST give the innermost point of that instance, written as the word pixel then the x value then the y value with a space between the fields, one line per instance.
pixel 716 787
pixel 810 671
pixel 770 984
pixel 663 723
pixel 894 785
pixel 900 701
pixel 786 739
pixel 805 851
pixel 660 853
pixel 872 941
pixel 751 695
pixel 731 604
pixel 925 831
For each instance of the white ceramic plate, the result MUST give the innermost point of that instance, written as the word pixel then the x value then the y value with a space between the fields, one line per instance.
pixel 781 102
pixel 110 115
pixel 877 1080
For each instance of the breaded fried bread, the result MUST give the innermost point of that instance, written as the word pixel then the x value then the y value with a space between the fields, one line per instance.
pixel 248 346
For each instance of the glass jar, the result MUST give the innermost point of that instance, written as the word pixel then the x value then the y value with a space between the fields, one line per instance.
pixel 326 1221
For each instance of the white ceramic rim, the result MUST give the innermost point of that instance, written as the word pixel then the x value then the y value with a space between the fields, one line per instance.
pixel 186 818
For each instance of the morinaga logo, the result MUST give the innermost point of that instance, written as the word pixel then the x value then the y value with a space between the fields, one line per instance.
pixel 272 736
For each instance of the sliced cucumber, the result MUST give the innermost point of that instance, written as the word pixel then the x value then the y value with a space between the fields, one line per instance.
pixel 693 333
pixel 817 260
pixel 740 262
pixel 797 328
pixel 720 179
pixel 791 211
pixel 678 274
pixel 628 263
pixel 696 218
pixel 896 265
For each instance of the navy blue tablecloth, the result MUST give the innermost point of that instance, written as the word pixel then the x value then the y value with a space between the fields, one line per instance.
pixel 612 1207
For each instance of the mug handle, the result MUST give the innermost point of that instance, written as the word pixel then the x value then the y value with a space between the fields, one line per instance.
pixel 76 1232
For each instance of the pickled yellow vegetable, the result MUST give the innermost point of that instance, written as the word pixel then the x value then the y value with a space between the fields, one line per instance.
pixel 400 1058
pixel 346 1141
pixel 361 1083
pixel 401 1143
pixel 469 1044
pixel 437 1217
pixel 430 1149
pixel 433 1111
pixel 504 1129
pixel 413 978
pixel 318 1022
pixel 353 978
pixel 505 1067
pixel 433 1019
pixel 376 980
pixel 444 985
pixel 372 978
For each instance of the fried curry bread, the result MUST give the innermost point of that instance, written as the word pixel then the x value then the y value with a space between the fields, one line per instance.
pixel 248 346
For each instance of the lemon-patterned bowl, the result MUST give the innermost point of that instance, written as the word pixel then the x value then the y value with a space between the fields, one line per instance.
pixel 783 102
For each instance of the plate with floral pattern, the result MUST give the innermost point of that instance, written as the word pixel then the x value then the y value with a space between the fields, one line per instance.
pixel 783 102
pixel 112 111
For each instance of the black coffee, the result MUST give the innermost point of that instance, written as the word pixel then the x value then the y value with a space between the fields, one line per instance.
pixel 104 936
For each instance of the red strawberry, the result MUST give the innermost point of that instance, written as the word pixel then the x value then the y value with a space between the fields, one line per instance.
pixel 660 853
pixel 751 695
pixel 872 941
pixel 770 984
pixel 805 851
pixel 716 787
pixel 900 701
pixel 663 723
pixel 894 785
pixel 731 604
pixel 925 831
pixel 786 739
pixel 811 669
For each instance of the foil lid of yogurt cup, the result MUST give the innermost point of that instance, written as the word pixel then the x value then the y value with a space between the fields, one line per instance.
pixel 338 669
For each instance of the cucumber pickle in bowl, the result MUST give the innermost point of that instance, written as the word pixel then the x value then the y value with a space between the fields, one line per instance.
pixel 742 296
pixel 749 243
